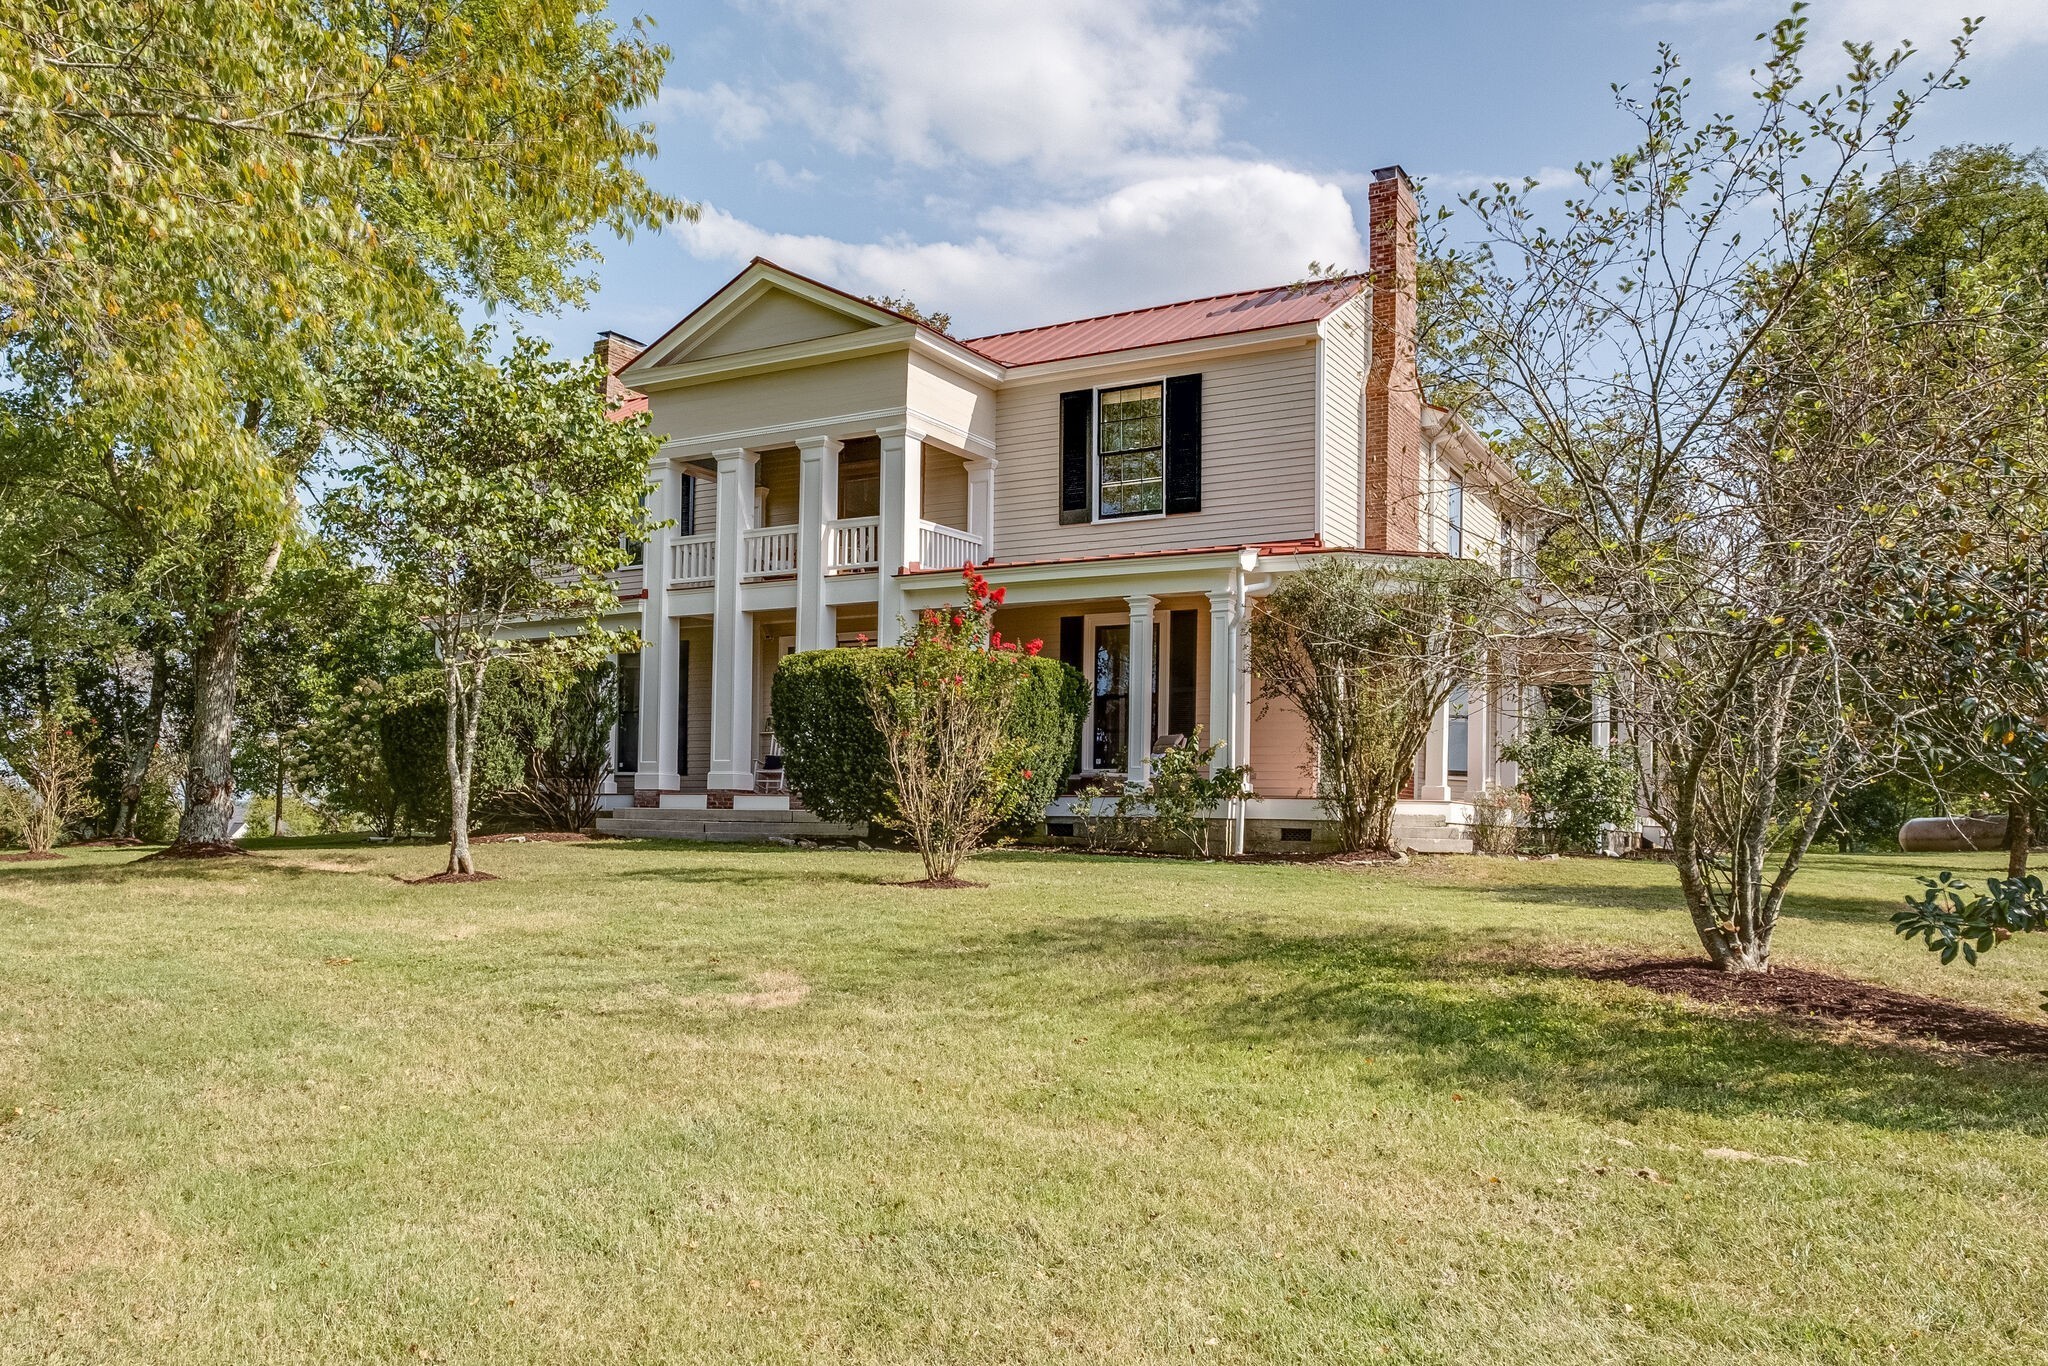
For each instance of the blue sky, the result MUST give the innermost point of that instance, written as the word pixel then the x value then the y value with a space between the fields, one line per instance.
pixel 1022 161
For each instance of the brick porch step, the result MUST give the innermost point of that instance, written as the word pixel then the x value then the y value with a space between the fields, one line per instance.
pixel 672 823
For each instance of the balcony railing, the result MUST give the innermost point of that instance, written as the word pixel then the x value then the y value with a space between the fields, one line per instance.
pixel 769 551
pixel 944 547
pixel 693 559
pixel 856 544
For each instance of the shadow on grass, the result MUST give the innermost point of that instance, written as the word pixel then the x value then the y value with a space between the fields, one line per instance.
pixel 1428 1009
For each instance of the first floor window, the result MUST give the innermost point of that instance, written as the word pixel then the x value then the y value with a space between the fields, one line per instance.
pixel 1130 459
pixel 1454 517
pixel 1459 723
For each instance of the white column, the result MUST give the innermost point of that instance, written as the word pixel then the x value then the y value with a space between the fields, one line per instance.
pixel 1479 744
pixel 1222 724
pixel 1603 727
pixel 981 505
pixel 902 507
pixel 818 506
pixel 732 645
pixel 659 662
pixel 1138 741
pixel 1436 759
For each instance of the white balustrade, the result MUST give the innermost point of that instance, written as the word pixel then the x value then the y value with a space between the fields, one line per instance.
pixel 693 559
pixel 945 547
pixel 856 543
pixel 770 550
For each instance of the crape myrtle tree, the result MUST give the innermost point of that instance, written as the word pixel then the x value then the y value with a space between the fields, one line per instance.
pixel 956 767
pixel 1368 651
pixel 491 495
pixel 202 206
pixel 1725 450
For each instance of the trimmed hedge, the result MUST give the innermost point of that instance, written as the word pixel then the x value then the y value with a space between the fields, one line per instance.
pixel 834 753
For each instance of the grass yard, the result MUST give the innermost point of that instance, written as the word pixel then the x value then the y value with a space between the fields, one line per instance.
pixel 647 1102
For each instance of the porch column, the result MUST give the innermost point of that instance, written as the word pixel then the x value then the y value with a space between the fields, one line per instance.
pixel 659 662
pixel 1222 725
pixel 902 507
pixel 981 505
pixel 732 644
pixel 1479 744
pixel 818 506
pixel 1138 736
pixel 1436 759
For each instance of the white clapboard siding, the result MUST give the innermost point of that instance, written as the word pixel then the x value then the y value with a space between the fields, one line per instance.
pixel 1343 402
pixel 1258 460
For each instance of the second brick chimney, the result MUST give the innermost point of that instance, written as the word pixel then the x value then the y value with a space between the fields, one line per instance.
pixel 1393 388
pixel 615 351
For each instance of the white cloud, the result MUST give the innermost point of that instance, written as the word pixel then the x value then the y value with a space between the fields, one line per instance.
pixel 1048 84
pixel 1204 226
pixel 773 172
pixel 736 118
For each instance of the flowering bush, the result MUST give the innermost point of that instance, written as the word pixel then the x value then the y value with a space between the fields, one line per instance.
pixel 956 767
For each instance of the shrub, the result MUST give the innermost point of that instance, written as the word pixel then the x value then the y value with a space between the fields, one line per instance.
pixel 835 754
pixel 1497 817
pixel 567 763
pixel 53 765
pixel 412 730
pixel 1573 788
pixel 1176 803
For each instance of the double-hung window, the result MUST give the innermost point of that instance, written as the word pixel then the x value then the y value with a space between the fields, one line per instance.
pixel 1130 457
pixel 1454 517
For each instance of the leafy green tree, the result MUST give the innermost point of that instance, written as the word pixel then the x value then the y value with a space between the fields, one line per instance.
pixel 1727 427
pixel 1368 653
pixel 208 205
pixel 491 494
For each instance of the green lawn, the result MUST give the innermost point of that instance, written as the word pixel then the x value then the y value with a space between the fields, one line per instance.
pixel 653 1102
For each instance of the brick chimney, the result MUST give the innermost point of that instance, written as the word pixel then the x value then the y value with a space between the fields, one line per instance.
pixel 615 351
pixel 1393 389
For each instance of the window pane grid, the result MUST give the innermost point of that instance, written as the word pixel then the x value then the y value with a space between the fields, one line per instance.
pixel 1130 466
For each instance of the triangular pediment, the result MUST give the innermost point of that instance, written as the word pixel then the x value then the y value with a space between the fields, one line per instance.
pixel 760 309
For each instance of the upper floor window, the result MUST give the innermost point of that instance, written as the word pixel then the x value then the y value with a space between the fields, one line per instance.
pixel 1507 546
pixel 1454 517
pixel 1130 452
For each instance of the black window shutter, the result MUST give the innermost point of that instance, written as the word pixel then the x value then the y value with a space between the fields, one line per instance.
pixel 1184 443
pixel 1077 411
pixel 688 521
pixel 1070 642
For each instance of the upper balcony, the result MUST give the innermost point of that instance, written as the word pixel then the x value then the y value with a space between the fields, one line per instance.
pixel 851 542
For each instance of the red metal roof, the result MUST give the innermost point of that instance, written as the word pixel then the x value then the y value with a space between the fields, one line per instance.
pixel 1250 310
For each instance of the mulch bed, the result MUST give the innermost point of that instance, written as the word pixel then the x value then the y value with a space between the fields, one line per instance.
pixel 938 884
pixel 448 877
pixel 27 857
pixel 198 849
pixel 536 837
pixel 1803 995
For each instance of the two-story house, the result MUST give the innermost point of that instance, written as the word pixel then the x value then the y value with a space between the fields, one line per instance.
pixel 1132 480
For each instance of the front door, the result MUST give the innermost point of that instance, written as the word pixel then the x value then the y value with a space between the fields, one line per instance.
pixel 1112 697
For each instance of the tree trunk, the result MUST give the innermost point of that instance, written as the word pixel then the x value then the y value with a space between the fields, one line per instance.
pixel 277 804
pixel 464 703
pixel 142 749
pixel 209 813
pixel 2019 836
